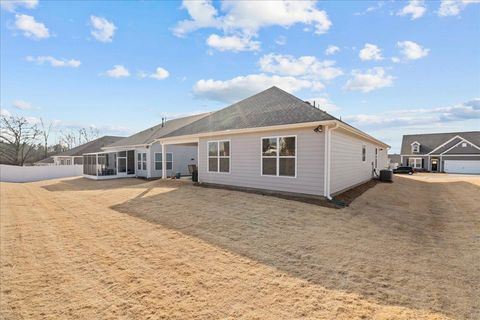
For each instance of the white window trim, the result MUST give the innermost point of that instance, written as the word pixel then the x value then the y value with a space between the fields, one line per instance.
pixel 415 147
pixel 278 157
pixel 166 162
pixel 144 161
pixel 415 162
pixel 229 157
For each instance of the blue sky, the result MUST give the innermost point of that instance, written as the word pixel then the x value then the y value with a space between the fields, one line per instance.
pixel 388 68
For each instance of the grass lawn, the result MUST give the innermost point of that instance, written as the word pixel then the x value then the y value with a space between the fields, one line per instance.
pixel 128 248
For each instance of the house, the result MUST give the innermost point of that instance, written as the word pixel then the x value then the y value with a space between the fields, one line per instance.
pixel 271 141
pixel 140 155
pixel 394 160
pixel 453 152
pixel 275 141
pixel 75 155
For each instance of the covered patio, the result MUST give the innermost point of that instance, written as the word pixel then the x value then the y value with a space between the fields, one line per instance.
pixel 109 165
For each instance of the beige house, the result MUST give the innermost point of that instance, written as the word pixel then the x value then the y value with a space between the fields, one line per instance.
pixel 275 141
pixel 270 141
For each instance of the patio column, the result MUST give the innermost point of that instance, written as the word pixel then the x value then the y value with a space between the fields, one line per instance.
pixel 164 162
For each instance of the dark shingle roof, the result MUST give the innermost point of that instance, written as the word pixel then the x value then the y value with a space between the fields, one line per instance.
pixel 267 108
pixel 46 160
pixel 149 135
pixel 89 147
pixel 430 141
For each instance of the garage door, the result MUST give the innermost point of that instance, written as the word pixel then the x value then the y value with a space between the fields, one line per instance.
pixel 462 166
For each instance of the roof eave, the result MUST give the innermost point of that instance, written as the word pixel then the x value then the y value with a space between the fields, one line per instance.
pixel 192 137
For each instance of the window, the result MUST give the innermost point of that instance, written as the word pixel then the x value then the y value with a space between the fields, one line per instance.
pixel 159 159
pixel 415 147
pixel 364 152
pixel 219 156
pixel 68 162
pixel 415 163
pixel 141 161
pixel 279 156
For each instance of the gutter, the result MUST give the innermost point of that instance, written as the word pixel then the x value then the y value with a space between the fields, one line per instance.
pixel 328 159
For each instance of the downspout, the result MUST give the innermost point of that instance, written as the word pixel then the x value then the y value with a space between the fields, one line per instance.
pixel 328 158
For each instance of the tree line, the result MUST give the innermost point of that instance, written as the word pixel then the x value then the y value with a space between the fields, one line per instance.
pixel 24 142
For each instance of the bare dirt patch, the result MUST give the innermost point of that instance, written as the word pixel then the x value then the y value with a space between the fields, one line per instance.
pixel 128 249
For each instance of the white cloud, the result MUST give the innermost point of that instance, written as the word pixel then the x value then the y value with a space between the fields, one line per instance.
pixel 376 7
pixel 11 5
pixel 250 16
pixel 102 29
pixel 118 71
pixel 415 8
pixel 411 50
pixel 331 50
pixel 324 104
pixel 159 74
pixel 453 7
pixel 281 40
pixel 22 105
pixel 203 15
pixel 306 66
pixel 5 113
pixel 241 87
pixel 372 79
pixel 469 110
pixel 370 52
pixel 232 43
pixel 30 27
pixel 72 63
pixel 396 60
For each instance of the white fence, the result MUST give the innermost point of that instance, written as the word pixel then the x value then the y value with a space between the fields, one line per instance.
pixel 36 173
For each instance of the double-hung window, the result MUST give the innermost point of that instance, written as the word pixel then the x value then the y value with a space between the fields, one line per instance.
pixel 415 163
pixel 144 161
pixel 159 160
pixel 141 161
pixel 279 156
pixel 364 152
pixel 219 156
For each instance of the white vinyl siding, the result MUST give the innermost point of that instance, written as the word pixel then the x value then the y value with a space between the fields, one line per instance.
pixel 347 168
pixel 182 156
pixel 246 161
pixel 158 161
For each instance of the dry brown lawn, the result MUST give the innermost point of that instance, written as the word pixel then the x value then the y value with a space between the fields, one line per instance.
pixel 81 249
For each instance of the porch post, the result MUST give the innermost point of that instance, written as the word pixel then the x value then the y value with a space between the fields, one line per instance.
pixel 164 162
pixel 96 164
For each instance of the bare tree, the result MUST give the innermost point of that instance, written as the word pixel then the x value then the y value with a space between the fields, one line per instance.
pixel 18 137
pixel 88 135
pixel 73 138
pixel 46 130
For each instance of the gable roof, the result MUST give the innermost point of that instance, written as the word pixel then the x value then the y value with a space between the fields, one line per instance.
pixel 89 147
pixel 46 160
pixel 268 108
pixel 431 141
pixel 149 135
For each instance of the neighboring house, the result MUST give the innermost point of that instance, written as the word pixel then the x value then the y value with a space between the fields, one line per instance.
pixel 275 141
pixel 75 155
pixel 140 155
pixel 394 161
pixel 453 152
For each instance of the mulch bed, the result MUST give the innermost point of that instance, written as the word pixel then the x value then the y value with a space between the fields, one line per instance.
pixel 341 200
pixel 350 195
